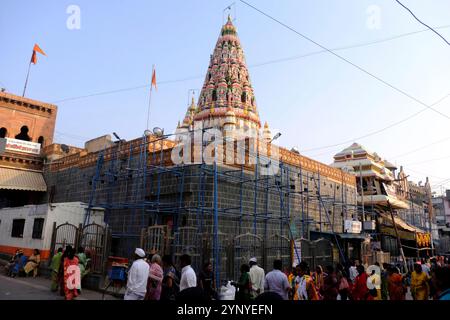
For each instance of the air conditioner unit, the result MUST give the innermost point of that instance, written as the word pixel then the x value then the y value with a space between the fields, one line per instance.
pixel 369 225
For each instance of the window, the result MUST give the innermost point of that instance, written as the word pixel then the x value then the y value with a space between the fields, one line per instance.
pixel 38 226
pixel 17 228
pixel 3 132
pixel 23 135
pixel 243 97
pixel 41 141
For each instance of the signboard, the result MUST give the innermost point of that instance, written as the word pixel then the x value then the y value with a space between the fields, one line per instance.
pixel 297 252
pixel 369 225
pixel 390 190
pixel 22 146
pixel 352 226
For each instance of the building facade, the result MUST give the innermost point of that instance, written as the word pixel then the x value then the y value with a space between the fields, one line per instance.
pixel 382 191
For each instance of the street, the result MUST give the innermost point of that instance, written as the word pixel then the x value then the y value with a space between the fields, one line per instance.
pixel 38 289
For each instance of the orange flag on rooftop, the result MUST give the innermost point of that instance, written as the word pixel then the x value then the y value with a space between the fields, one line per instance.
pixel 154 80
pixel 36 48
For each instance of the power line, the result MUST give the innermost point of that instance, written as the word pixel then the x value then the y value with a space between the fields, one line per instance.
pixel 415 17
pixel 125 89
pixel 346 60
pixel 376 131
pixel 421 148
pixel 291 58
pixel 358 45
pixel 429 160
pixel 425 174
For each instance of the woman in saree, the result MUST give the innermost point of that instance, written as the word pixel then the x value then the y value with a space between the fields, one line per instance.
pixel 360 290
pixel 82 262
pixel 244 284
pixel 420 288
pixel 318 279
pixel 69 261
pixel 155 278
pixel 33 263
pixel 395 285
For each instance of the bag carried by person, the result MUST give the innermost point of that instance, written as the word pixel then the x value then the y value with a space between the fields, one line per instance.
pixel 343 285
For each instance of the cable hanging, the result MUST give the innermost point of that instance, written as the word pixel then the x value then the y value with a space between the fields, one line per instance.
pixel 415 17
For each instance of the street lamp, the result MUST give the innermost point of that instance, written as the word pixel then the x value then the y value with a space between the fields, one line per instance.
pixel 117 137
pixel 275 137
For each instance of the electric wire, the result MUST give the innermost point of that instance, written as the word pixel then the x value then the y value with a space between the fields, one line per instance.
pixel 347 61
pixel 423 23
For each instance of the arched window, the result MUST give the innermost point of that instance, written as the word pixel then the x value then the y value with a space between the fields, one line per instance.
pixel 41 141
pixel 244 96
pixel 214 95
pixel 23 135
pixel 3 132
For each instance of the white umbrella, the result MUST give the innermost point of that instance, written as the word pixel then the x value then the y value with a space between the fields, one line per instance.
pixel 374 267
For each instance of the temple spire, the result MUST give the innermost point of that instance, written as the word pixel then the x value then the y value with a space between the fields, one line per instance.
pixel 227 86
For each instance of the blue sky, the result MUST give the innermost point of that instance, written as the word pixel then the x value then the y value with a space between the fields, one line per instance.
pixel 314 101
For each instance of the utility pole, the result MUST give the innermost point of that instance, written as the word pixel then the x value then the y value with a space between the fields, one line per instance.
pixel 362 192
pixel 398 237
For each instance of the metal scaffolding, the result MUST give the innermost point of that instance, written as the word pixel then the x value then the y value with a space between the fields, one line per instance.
pixel 224 214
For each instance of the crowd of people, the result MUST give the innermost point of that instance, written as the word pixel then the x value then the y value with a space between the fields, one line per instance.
pixel 154 278
pixel 21 265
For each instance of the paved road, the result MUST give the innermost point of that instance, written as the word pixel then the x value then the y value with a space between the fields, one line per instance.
pixel 37 289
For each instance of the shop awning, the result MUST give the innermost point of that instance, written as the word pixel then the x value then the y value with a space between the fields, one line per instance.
pixel 387 219
pixel 405 230
pixel 16 179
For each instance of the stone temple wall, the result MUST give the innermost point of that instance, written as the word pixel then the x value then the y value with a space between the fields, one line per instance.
pixel 181 198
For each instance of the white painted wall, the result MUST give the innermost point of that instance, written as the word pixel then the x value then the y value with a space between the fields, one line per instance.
pixel 71 212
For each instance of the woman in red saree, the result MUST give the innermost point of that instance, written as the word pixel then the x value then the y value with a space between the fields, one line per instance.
pixel 360 290
pixel 395 285
pixel 70 260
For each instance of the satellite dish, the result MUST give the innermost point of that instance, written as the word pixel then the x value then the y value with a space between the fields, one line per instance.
pixel 295 150
pixel 147 132
pixel 158 131
pixel 348 169
pixel 65 148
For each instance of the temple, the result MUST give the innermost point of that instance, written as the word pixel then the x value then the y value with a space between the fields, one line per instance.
pixel 133 193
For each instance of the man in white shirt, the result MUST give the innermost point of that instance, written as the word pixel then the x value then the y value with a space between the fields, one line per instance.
pixel 257 275
pixel 353 270
pixel 188 277
pixel 277 281
pixel 137 277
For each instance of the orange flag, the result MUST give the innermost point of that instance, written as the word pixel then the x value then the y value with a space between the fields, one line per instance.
pixel 36 48
pixel 154 80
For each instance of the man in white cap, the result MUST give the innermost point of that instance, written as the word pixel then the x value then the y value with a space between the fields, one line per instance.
pixel 137 277
pixel 256 277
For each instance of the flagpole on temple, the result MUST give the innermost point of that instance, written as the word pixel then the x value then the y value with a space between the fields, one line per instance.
pixel 26 80
pixel 150 96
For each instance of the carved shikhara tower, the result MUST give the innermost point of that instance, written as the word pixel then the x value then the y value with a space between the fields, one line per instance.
pixel 227 100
